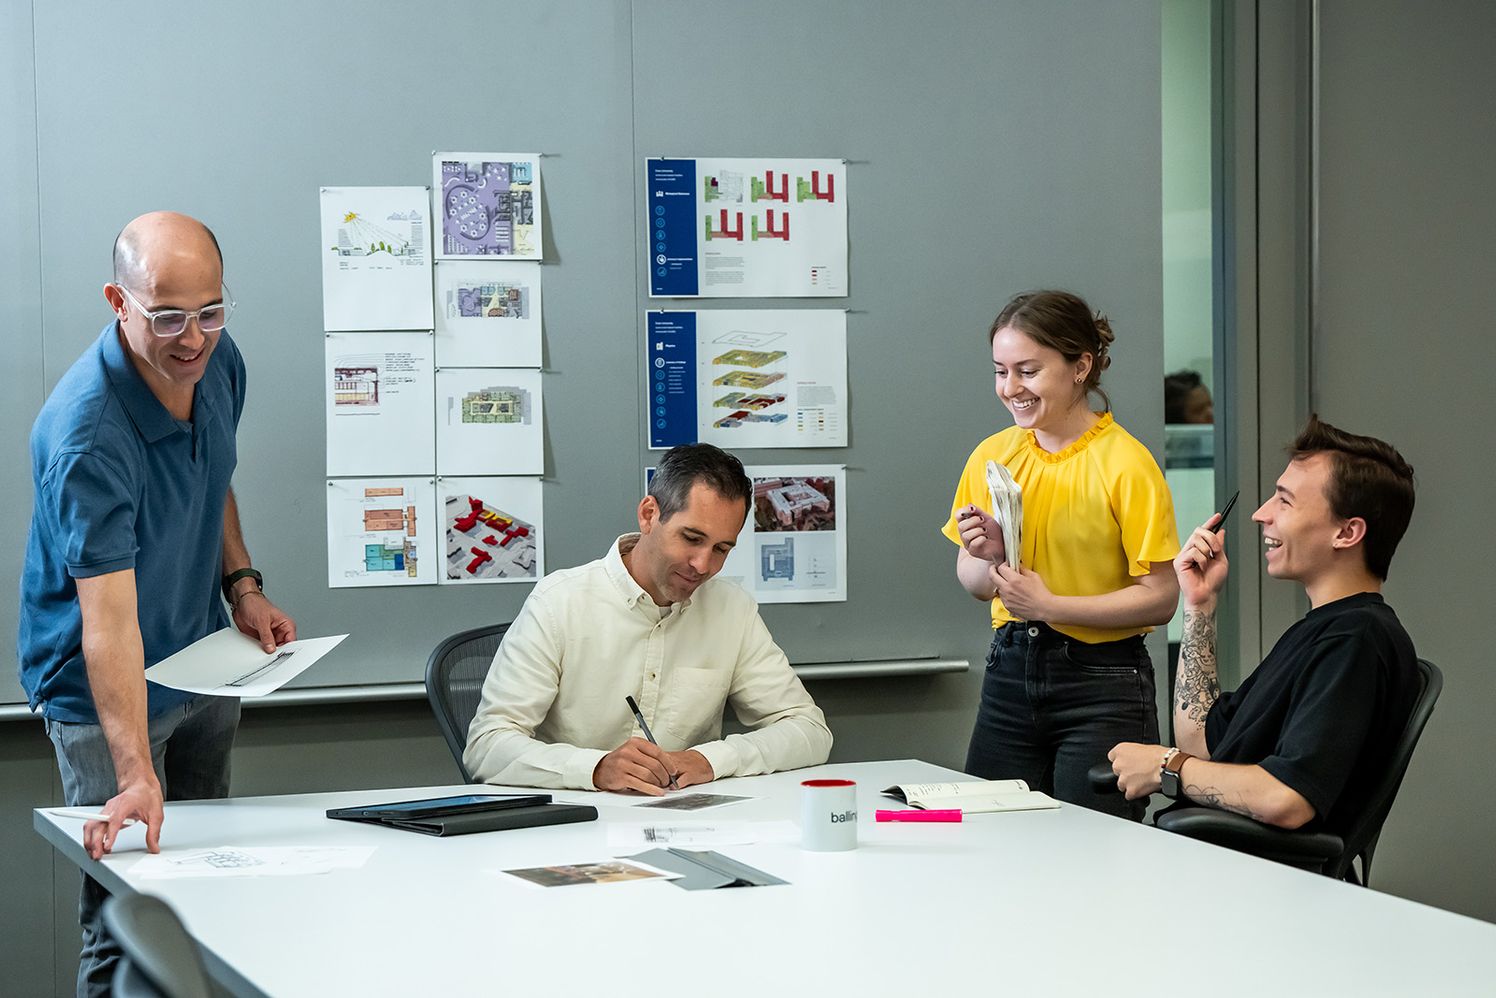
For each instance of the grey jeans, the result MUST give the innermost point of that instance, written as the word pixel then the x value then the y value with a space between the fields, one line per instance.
pixel 190 747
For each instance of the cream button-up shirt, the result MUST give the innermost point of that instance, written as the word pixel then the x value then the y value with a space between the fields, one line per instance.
pixel 553 703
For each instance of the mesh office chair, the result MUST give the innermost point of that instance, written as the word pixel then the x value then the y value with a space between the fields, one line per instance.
pixel 1321 852
pixel 454 683
pixel 160 959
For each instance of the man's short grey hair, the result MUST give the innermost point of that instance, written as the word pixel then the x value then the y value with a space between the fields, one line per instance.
pixel 682 467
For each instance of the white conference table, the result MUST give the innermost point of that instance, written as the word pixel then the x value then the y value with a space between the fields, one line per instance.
pixel 1059 902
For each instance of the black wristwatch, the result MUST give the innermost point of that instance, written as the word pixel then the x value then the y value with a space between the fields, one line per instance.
pixel 1169 776
pixel 233 577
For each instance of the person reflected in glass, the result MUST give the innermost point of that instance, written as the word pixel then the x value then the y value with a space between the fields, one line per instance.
pixel 1186 399
pixel 1067 669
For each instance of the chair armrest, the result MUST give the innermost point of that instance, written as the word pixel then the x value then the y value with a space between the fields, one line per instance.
pixel 1103 780
pixel 1307 850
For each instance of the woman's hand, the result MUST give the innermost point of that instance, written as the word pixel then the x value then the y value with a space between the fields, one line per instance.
pixel 1023 592
pixel 981 535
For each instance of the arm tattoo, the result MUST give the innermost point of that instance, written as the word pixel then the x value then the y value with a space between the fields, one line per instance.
pixel 1197 685
pixel 1216 797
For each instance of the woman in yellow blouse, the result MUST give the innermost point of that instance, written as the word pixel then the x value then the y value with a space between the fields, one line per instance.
pixel 1067 674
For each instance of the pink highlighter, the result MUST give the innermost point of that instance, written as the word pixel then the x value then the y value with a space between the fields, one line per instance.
pixel 951 814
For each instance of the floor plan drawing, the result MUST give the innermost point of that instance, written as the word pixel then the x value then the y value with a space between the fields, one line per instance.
pixel 489 422
pixel 489 205
pixel 488 313
pixel 495 405
pixel 379 532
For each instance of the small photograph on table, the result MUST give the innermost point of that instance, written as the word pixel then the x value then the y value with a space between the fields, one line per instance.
pixel 613 871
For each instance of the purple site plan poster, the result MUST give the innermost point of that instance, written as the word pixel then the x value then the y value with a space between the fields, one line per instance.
pixel 489 205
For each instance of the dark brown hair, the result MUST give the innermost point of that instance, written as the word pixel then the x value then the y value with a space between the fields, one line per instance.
pixel 682 467
pixel 1369 479
pixel 1064 322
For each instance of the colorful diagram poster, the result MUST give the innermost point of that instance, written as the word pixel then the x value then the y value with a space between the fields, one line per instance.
pixel 492 529
pixel 746 228
pixel 487 314
pixel 489 205
pixel 794 547
pixel 747 378
pixel 382 532
pixel 489 422
pixel 376 258
pixel 379 392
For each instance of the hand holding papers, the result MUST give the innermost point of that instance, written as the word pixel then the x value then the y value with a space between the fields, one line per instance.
pixel 1007 509
pixel 227 663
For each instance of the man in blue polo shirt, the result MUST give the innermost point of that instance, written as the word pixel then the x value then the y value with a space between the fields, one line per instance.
pixel 134 536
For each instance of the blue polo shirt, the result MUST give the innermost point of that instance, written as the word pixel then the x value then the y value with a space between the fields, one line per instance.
pixel 120 484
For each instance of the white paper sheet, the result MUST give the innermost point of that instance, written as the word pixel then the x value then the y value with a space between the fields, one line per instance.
pixel 488 314
pixel 228 663
pixel 376 258
pixel 489 422
pixel 489 205
pixel 793 549
pixel 718 833
pixel 249 861
pixel 382 532
pixel 379 390
pixel 494 529
pixel 747 378
pixel 746 228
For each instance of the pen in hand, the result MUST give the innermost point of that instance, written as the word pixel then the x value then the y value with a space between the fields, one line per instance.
pixel 648 734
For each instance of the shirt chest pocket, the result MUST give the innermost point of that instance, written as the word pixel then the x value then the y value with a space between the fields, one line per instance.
pixel 695 699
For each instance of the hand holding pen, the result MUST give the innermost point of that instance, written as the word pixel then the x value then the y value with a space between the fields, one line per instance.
pixel 1201 567
pixel 633 706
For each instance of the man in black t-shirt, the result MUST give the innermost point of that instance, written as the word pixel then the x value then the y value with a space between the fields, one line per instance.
pixel 1310 731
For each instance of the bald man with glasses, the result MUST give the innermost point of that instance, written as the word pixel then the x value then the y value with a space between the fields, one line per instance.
pixel 135 547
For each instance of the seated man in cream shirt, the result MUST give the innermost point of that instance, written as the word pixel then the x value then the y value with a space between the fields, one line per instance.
pixel 647 620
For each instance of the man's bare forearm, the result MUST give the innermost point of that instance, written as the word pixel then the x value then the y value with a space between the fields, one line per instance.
pixel 114 659
pixel 235 554
pixel 1197 684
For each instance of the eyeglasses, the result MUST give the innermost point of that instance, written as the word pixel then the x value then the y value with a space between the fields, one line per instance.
pixel 173 321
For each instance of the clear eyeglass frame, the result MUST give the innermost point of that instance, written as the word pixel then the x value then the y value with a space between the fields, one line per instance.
pixel 168 322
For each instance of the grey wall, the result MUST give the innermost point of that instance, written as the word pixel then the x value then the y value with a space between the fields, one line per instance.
pixel 992 148
pixel 1405 349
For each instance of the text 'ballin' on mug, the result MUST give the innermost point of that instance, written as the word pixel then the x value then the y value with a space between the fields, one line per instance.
pixel 828 815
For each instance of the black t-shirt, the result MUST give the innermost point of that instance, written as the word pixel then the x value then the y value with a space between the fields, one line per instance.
pixel 1325 708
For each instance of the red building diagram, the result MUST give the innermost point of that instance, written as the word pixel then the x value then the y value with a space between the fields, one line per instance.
pixel 769 231
pixel 725 230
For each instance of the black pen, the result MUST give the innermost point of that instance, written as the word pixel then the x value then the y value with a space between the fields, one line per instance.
pixel 648 734
pixel 1226 512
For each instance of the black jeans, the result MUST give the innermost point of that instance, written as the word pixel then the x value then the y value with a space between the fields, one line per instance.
pixel 1052 707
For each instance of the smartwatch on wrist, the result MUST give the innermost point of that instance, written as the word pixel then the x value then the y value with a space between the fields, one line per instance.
pixel 234 577
pixel 1169 776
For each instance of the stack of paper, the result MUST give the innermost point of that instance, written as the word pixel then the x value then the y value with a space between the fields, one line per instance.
pixel 1007 508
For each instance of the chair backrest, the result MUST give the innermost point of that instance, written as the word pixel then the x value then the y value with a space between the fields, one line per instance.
pixel 1361 837
pixel 160 959
pixel 454 683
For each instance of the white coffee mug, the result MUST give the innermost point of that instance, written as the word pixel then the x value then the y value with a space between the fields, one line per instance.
pixel 828 815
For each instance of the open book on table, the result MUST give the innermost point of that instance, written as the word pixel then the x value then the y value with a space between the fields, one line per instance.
pixel 974 796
